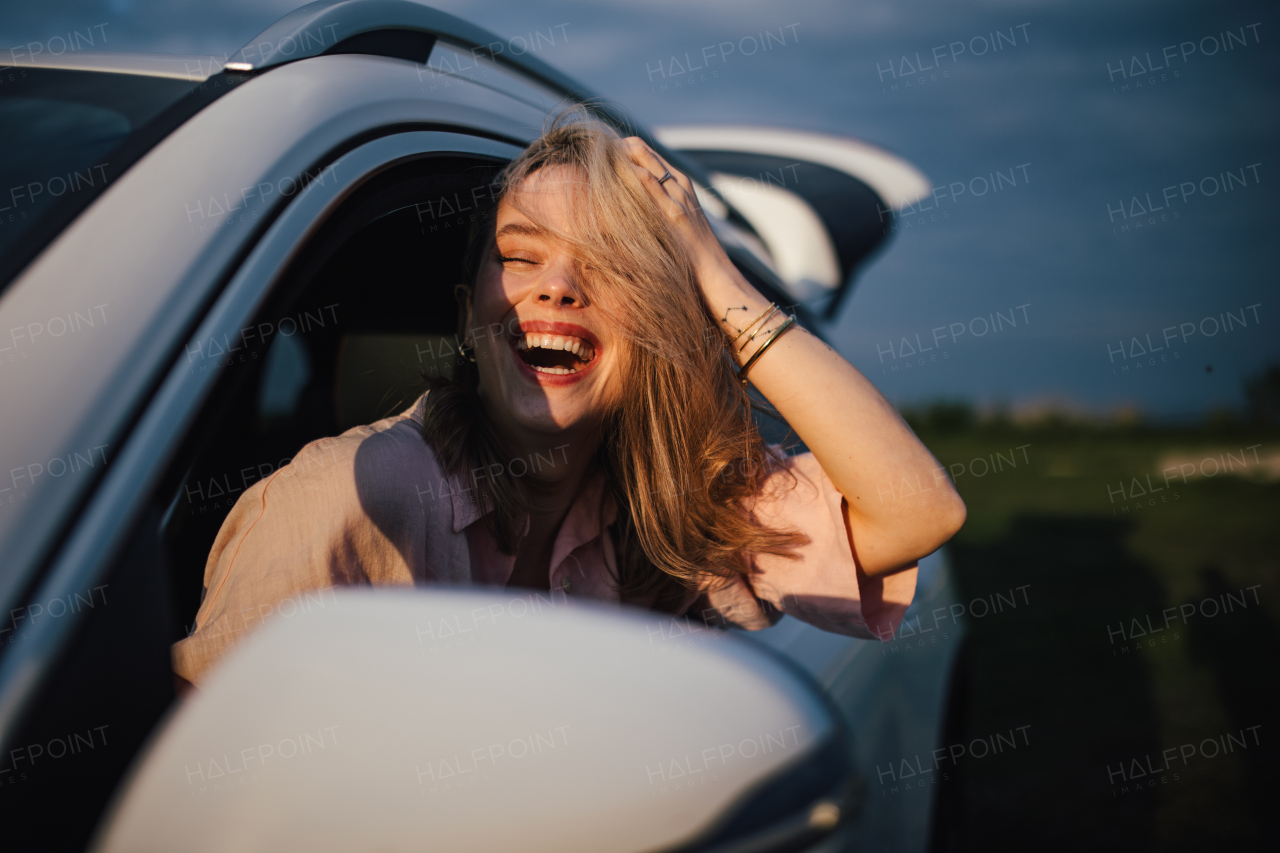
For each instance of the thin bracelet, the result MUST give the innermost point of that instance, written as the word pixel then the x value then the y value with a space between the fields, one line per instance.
pixel 742 374
pixel 760 329
pixel 772 306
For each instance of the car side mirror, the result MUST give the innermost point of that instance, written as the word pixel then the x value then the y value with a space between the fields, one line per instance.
pixel 484 720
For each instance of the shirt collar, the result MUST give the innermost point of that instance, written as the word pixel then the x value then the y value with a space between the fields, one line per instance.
pixel 465 511
pixel 592 510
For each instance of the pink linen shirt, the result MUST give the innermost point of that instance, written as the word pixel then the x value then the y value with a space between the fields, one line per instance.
pixel 373 506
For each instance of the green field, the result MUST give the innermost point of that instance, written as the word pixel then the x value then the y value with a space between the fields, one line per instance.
pixel 1078 520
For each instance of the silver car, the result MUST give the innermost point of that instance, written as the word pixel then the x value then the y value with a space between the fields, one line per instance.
pixel 205 263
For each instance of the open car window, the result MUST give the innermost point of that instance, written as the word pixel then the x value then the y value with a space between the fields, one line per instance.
pixel 364 314
pixel 363 310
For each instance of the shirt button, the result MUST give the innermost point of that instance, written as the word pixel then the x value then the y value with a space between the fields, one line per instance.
pixel 566 584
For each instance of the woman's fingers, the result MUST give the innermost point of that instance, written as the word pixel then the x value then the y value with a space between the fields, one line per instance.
pixel 672 195
pixel 643 155
pixel 669 204
pixel 648 159
pixel 679 203
pixel 677 200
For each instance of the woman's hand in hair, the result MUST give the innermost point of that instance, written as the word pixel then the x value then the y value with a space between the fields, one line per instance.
pixel 900 505
pixel 718 278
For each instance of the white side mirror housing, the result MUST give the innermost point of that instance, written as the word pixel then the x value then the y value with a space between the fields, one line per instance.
pixel 485 721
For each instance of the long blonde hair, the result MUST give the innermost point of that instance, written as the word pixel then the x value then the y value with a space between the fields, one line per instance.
pixel 681 453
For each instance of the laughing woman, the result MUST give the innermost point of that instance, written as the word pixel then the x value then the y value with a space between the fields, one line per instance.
pixel 608 332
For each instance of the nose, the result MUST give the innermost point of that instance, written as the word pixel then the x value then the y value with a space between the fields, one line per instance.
pixel 558 287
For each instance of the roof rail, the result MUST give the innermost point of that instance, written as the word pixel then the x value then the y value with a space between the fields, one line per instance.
pixel 346 26
pixel 317 28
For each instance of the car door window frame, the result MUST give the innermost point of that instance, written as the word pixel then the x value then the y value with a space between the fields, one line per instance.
pixel 111 512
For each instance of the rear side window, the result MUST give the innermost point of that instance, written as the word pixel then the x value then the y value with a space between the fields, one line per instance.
pixel 68 134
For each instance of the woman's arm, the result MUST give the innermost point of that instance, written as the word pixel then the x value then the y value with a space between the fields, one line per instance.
pixel 861 443
pixel 181 687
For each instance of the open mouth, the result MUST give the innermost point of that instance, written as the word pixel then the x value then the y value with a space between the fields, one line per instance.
pixel 559 355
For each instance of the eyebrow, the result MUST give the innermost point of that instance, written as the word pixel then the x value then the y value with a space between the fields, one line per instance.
pixel 520 228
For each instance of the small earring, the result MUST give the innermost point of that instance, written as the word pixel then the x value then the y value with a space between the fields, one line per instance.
pixel 468 352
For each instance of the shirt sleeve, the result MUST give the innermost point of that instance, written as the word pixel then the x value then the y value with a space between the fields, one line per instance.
pixel 347 511
pixel 822 583
pixel 281 541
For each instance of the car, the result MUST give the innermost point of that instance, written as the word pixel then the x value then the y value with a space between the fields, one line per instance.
pixel 205 263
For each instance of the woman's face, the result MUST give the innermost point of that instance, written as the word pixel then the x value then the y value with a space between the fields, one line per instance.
pixel 547 358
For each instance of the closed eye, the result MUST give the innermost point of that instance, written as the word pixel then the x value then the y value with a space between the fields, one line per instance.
pixel 504 259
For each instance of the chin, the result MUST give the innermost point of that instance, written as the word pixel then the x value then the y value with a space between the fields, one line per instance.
pixel 548 415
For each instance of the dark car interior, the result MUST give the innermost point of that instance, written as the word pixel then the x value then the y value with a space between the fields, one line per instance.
pixel 362 315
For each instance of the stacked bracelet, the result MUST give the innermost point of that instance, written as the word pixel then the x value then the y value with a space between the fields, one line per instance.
pixel 768 315
pixel 763 316
pixel 777 333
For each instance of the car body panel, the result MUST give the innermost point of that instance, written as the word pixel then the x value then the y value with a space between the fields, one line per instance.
pixel 451 61
pixel 890 695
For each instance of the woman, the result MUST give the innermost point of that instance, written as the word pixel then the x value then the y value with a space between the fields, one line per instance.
pixel 598 438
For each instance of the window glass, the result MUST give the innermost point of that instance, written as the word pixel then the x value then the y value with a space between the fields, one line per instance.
pixel 287 372
pixel 52 149
pixel 67 134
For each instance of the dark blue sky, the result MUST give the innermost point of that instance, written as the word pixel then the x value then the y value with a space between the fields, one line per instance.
pixel 1050 101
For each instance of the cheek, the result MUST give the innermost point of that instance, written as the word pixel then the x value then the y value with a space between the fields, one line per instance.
pixel 616 380
pixel 491 303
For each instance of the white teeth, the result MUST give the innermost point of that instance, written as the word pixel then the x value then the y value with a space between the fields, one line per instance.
pixel 559 371
pixel 577 346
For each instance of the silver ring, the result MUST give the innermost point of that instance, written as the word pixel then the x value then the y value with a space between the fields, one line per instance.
pixel 665 178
